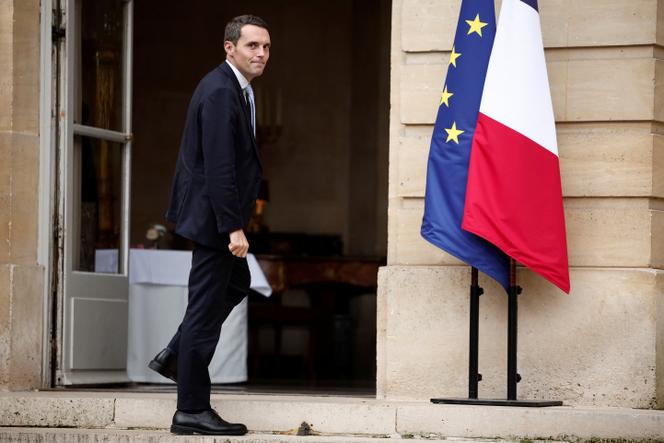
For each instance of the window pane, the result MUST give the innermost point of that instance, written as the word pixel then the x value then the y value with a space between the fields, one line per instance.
pixel 100 64
pixel 99 204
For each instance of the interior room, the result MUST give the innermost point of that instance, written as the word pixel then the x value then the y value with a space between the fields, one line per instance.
pixel 320 229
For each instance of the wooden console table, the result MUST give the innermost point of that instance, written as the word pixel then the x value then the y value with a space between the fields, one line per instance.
pixel 290 272
pixel 328 281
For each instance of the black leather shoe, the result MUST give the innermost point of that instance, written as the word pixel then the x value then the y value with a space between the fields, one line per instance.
pixel 165 364
pixel 206 422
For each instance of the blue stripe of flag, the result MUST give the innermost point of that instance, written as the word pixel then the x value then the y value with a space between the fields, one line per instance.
pixel 532 3
pixel 447 169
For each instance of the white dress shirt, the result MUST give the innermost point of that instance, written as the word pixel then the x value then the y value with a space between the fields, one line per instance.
pixel 240 78
pixel 246 88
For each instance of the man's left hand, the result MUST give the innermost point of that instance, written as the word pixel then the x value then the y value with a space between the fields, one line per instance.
pixel 239 245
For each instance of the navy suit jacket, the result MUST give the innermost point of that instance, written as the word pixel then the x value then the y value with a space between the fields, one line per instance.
pixel 218 171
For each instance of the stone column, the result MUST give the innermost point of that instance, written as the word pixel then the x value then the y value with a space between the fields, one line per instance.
pixel 21 277
pixel 603 344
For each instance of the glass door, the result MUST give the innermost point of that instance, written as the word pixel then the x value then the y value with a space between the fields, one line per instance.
pixel 95 126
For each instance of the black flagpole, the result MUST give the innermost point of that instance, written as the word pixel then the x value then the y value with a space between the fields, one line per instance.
pixel 473 373
pixel 513 376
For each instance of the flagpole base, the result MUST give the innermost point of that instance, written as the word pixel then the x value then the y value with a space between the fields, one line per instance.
pixel 497 402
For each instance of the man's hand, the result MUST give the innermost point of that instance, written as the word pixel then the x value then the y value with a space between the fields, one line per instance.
pixel 239 246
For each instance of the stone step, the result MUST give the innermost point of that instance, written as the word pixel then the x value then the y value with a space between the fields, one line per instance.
pixel 50 435
pixel 269 414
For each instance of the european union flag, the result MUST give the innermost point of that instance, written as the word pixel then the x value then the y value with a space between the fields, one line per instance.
pixel 449 154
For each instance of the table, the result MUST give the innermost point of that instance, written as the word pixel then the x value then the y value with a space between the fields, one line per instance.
pixel 329 282
pixel 285 272
pixel 157 302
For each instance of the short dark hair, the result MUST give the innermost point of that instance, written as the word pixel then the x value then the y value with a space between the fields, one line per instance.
pixel 234 27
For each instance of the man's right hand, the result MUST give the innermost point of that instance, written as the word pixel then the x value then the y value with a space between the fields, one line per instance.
pixel 239 246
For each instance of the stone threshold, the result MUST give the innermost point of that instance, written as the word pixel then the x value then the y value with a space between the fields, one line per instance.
pixel 329 416
pixel 50 435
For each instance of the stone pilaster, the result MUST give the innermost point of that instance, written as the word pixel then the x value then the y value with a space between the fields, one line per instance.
pixel 602 345
pixel 21 277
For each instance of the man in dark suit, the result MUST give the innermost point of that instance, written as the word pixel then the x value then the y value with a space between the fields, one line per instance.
pixel 216 182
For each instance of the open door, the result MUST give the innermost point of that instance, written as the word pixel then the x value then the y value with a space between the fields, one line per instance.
pixel 95 142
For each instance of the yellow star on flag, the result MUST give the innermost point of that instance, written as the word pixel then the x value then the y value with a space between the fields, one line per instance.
pixel 445 96
pixel 454 56
pixel 453 133
pixel 476 25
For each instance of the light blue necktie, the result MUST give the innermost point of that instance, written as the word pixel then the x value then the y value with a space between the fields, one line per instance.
pixel 252 108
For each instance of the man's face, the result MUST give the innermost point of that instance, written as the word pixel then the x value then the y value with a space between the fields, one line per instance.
pixel 251 52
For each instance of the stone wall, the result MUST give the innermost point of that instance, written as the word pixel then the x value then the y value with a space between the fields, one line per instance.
pixel 604 343
pixel 21 278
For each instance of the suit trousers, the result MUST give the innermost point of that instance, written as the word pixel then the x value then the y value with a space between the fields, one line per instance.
pixel 218 281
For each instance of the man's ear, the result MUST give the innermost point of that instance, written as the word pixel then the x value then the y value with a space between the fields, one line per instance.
pixel 228 46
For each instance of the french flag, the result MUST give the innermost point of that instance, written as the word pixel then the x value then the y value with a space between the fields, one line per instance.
pixel 513 192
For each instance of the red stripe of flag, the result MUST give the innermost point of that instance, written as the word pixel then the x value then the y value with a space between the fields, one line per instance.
pixel 523 212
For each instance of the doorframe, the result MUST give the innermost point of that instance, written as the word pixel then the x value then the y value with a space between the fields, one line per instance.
pixel 47 196
pixel 56 127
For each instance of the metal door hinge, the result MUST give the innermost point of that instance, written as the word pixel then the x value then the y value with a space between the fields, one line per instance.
pixel 57 33
pixel 58 26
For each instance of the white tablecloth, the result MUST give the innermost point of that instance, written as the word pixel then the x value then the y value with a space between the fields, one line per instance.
pixel 157 302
